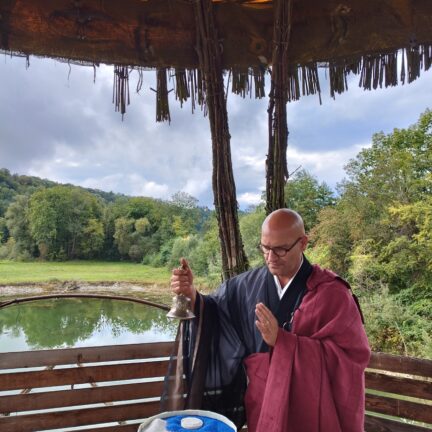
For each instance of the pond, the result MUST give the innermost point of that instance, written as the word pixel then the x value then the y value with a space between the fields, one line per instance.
pixel 66 323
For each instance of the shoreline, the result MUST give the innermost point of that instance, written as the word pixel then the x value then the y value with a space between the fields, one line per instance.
pixel 150 291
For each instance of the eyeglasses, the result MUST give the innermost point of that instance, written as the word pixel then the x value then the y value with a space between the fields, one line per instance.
pixel 278 251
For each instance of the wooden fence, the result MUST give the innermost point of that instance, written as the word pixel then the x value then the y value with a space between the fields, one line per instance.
pixel 115 387
pixel 400 387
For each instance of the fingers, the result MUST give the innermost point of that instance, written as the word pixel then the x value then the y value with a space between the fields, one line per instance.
pixel 264 314
pixel 183 272
pixel 182 280
pixel 184 264
pixel 266 324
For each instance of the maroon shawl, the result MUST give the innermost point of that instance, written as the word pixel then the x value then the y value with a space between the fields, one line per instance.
pixel 313 379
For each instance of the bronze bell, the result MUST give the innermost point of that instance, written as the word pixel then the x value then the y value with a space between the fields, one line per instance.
pixel 180 308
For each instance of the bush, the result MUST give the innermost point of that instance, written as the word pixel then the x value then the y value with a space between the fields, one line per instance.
pixel 395 326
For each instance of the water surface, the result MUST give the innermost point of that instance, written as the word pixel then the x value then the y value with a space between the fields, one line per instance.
pixel 66 323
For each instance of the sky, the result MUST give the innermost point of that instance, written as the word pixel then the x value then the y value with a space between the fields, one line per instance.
pixel 58 124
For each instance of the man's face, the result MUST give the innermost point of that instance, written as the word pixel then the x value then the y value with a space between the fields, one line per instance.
pixel 286 248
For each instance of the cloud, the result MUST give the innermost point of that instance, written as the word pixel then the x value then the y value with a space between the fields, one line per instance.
pixel 134 184
pixel 325 165
pixel 58 124
pixel 249 198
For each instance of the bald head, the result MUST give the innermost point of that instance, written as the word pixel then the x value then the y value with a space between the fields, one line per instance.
pixel 283 242
pixel 284 220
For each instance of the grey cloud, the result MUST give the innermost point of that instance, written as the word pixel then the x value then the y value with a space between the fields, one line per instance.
pixel 67 129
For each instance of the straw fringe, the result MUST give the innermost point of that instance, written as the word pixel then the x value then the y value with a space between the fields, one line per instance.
pixel 374 70
pixel 246 80
pixel 121 96
pixel 162 103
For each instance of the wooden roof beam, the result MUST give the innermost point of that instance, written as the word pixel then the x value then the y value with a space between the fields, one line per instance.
pixel 161 33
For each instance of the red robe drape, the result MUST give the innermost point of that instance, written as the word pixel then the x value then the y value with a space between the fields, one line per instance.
pixel 313 379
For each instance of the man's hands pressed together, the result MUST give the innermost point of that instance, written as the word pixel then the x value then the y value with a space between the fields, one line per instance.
pixel 267 324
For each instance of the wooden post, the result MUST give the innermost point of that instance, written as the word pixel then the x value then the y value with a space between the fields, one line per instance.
pixel 276 164
pixel 234 259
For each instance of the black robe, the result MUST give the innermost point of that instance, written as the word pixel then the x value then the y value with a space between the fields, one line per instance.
pixel 211 347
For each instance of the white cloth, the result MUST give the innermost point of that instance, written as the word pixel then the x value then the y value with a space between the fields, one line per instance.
pixel 157 425
pixel 281 291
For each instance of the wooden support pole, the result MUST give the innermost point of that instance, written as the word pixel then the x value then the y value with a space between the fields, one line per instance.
pixel 276 164
pixel 234 260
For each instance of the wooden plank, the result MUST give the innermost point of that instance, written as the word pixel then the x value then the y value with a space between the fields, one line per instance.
pixel 65 398
pixel 79 417
pixel 377 424
pixel 161 33
pixel 81 375
pixel 399 408
pixel 401 386
pixel 401 364
pixel 85 355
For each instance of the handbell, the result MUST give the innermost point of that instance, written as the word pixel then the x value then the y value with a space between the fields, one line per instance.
pixel 180 308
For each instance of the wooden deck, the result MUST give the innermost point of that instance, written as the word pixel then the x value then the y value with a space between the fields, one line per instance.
pixel 115 387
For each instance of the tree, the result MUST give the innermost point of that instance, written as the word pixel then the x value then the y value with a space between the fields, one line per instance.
pixel 250 226
pixel 4 232
pixel 184 200
pixel 93 238
pixel 142 225
pixel 370 224
pixel 393 170
pixel 124 228
pixel 17 222
pixel 60 221
pixel 306 196
pixel 331 240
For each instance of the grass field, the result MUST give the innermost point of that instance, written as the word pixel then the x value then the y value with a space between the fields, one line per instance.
pixel 86 271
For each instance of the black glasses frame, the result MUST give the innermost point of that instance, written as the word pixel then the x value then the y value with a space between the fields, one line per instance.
pixel 279 251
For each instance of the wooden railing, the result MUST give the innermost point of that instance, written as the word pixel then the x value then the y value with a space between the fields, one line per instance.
pixel 115 387
pixel 111 393
pixel 400 387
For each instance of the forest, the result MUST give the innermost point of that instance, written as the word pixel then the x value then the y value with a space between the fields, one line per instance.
pixel 375 230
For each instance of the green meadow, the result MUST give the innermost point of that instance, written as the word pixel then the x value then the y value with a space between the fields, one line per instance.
pixel 86 271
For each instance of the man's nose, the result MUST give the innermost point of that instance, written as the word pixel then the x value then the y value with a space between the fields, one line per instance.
pixel 272 255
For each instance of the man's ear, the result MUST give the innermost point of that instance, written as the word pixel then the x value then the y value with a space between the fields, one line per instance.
pixel 304 242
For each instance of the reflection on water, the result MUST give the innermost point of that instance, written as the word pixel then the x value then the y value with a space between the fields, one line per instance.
pixel 62 323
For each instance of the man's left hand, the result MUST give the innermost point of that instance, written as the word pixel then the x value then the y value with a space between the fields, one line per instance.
pixel 267 324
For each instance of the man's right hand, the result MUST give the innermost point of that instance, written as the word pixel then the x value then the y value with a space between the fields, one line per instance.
pixel 182 282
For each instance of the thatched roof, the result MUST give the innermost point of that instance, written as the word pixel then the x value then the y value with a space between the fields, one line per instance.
pixel 361 36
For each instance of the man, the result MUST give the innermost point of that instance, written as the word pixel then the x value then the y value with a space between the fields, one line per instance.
pixel 296 330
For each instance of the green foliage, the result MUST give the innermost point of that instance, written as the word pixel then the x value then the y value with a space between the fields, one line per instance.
pixel 184 200
pixel 13 184
pixel 307 197
pixel 202 252
pixel 379 235
pixel 17 222
pixel 333 238
pixel 123 235
pixel 93 238
pixel 4 232
pixel 250 227
pixel 142 225
pixel 60 220
pixel 395 326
